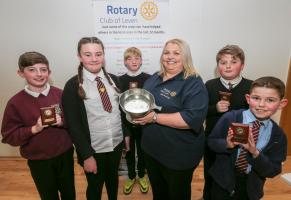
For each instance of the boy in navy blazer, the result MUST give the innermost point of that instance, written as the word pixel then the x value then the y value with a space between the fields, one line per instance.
pixel 264 157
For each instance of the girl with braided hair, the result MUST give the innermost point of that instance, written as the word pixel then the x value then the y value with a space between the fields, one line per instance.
pixel 91 109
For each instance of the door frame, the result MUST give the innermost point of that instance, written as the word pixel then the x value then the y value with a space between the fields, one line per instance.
pixel 286 112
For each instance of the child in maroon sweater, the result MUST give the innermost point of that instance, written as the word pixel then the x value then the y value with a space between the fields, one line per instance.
pixel 48 148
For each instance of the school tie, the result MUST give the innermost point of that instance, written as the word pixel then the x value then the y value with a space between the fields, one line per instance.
pixel 230 85
pixel 241 163
pixel 104 96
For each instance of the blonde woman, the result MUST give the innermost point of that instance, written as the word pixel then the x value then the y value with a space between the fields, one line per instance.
pixel 173 138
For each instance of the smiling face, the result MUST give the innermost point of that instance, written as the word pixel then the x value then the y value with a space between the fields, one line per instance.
pixel 36 76
pixel 229 66
pixel 172 59
pixel 92 57
pixel 264 102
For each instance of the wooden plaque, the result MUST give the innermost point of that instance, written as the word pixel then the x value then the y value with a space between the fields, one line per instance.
pixel 241 132
pixel 225 96
pixel 48 115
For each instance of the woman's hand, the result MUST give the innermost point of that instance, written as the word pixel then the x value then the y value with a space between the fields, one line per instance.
pixel 149 118
pixel 90 165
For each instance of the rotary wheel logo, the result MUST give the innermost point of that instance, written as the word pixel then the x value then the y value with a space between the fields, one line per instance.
pixel 172 94
pixel 149 10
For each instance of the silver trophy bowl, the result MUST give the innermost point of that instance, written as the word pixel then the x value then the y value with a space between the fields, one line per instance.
pixel 140 101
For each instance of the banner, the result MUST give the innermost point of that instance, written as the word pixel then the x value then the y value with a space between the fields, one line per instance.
pixel 121 24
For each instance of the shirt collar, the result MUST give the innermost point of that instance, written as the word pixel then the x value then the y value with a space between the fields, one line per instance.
pixel 131 73
pixel 91 76
pixel 36 94
pixel 235 81
pixel 249 118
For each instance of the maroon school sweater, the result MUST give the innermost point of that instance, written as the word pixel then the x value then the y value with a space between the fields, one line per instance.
pixel 21 113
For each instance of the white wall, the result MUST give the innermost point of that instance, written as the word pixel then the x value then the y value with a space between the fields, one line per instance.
pixel 261 27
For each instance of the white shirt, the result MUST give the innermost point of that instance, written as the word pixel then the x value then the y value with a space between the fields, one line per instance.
pixel 234 82
pixel 131 73
pixel 36 94
pixel 105 128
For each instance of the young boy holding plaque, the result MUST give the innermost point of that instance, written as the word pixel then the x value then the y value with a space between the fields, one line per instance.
pixel 225 94
pixel 133 78
pixel 33 120
pixel 241 167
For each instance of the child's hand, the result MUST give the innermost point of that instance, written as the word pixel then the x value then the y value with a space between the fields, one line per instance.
pixel 127 147
pixel 222 106
pixel 229 143
pixel 127 140
pixel 59 122
pixel 90 165
pixel 251 145
pixel 38 127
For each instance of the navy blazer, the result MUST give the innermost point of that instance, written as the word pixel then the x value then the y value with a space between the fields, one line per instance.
pixel 267 165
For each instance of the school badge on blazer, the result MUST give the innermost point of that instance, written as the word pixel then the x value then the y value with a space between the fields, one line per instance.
pixel 173 93
pixel 133 85
pixel 102 89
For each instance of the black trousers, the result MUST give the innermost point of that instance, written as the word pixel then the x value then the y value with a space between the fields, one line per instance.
pixel 54 176
pixel 107 172
pixel 208 161
pixel 135 145
pixel 239 193
pixel 168 183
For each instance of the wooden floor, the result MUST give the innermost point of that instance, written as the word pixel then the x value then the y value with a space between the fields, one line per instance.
pixel 16 183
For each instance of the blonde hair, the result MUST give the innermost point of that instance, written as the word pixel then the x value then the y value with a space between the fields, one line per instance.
pixel 188 67
pixel 132 51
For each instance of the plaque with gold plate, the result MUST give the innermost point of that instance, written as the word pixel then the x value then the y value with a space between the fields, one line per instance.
pixel 240 132
pixel 225 96
pixel 48 115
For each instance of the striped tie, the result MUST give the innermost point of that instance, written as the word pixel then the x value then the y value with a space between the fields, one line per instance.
pixel 241 163
pixel 230 85
pixel 104 96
